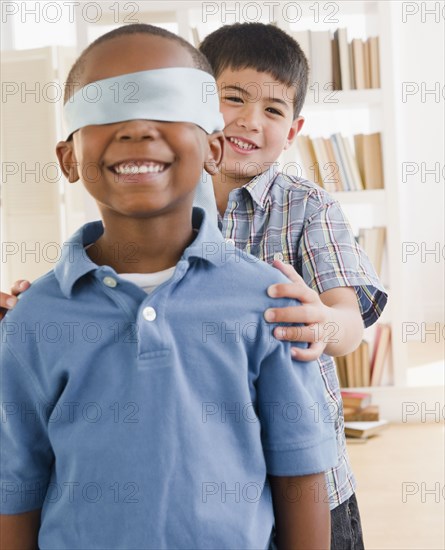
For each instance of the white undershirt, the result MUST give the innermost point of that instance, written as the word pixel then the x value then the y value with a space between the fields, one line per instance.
pixel 149 281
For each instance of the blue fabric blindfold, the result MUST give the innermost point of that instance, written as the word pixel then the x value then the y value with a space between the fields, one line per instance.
pixel 177 94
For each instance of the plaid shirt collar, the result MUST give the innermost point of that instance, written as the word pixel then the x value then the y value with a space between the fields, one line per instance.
pixel 259 186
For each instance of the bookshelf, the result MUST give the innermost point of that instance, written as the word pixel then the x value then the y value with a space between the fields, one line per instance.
pixel 367 111
pixel 354 112
pixel 347 111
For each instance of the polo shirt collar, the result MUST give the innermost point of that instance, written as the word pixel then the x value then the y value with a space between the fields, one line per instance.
pixel 259 186
pixel 208 243
pixel 74 262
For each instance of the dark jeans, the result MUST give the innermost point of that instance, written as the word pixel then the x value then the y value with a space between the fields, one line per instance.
pixel 346 528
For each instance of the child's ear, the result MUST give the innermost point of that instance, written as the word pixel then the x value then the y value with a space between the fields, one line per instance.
pixel 67 160
pixel 297 124
pixel 215 154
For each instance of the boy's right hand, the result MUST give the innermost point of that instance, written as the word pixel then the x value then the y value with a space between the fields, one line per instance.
pixel 8 301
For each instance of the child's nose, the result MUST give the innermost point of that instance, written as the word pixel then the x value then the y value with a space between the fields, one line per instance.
pixel 250 118
pixel 137 130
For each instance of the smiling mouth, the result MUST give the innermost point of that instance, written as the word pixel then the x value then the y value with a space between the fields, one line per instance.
pixel 130 167
pixel 242 144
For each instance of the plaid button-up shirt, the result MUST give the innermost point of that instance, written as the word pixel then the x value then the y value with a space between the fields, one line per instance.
pixel 275 216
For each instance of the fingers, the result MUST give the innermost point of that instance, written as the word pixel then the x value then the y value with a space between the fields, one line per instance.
pixel 293 314
pixel 287 270
pixel 8 301
pixel 311 353
pixel 298 290
pixel 311 334
pixel 20 286
pixel 313 317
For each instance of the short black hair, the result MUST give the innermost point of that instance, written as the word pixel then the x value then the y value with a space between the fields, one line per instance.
pixel 265 48
pixel 75 74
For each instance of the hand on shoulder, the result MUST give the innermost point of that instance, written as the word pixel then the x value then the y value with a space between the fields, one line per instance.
pixel 312 313
pixel 8 301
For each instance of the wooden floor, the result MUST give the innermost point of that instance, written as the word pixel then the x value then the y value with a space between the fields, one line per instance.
pixel 401 487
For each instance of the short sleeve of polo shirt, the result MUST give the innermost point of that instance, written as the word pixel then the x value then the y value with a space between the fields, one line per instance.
pixel 330 258
pixel 297 438
pixel 26 456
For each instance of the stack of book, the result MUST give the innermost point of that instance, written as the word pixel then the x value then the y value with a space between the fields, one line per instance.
pixel 362 419
pixel 335 165
pixel 346 65
pixel 358 369
pixel 357 406
pixel 364 430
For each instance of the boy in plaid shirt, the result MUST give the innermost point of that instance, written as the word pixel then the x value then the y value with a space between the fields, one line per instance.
pixel 262 77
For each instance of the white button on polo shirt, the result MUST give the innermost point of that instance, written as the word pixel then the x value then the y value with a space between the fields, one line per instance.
pixel 278 256
pixel 149 313
pixel 110 282
pixel 230 241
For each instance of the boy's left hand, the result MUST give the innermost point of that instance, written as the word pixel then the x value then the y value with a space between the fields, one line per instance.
pixel 312 312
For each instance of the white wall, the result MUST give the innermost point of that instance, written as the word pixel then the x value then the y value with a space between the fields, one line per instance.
pixel 420 65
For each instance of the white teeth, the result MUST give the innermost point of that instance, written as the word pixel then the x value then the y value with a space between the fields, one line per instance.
pixel 242 144
pixel 143 168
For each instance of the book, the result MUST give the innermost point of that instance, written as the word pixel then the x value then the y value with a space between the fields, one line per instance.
pixel 321 56
pixel 368 152
pixel 340 165
pixel 353 167
pixel 365 363
pixel 343 53
pixel 353 370
pixel 355 399
pixel 350 369
pixel 357 358
pixel 349 413
pixel 308 158
pixel 336 72
pixel 341 371
pixel 343 161
pixel 358 59
pixel 333 179
pixel 357 370
pixel 367 414
pixel 374 58
pixel 322 160
pixel 367 63
pixel 364 429
pixel 381 352
pixel 351 66
pixel 335 165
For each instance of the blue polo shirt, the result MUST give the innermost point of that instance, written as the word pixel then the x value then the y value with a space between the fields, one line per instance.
pixel 151 421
